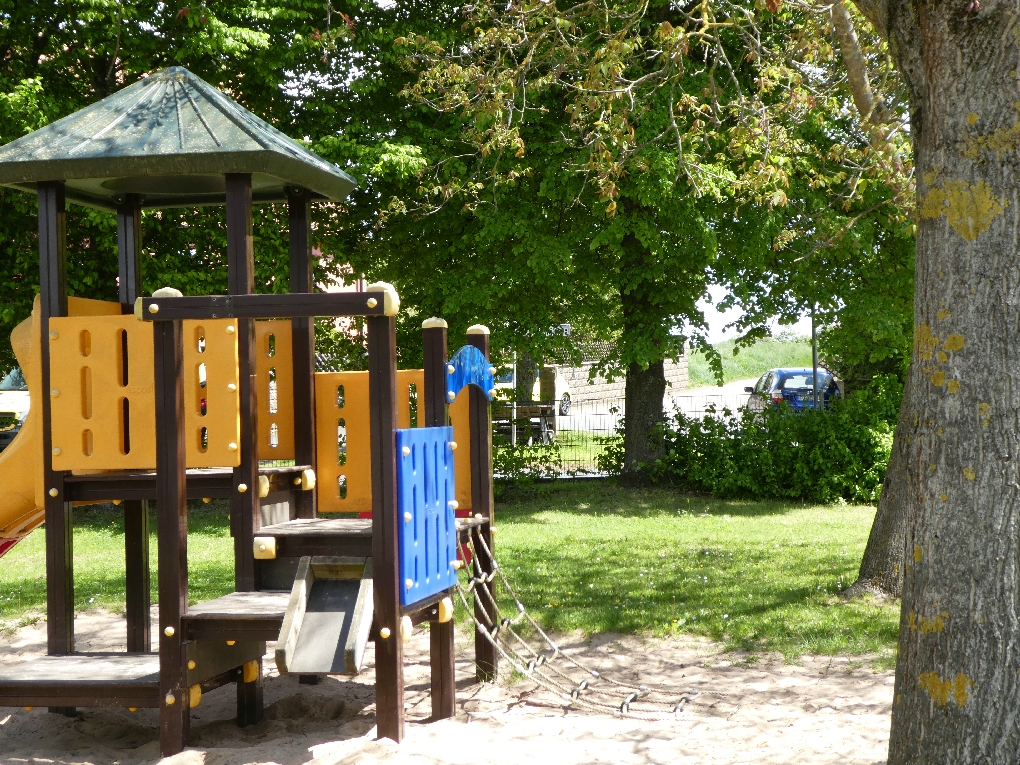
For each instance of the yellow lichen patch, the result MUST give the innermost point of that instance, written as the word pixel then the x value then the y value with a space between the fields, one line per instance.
pixel 942 357
pixel 917 554
pixel 972 119
pixel 941 690
pixel 954 342
pixel 938 379
pixel 953 386
pixel 943 496
pixel 969 473
pixel 924 342
pixel 927 625
pixel 970 209
pixel 1001 141
pixel 944 313
pixel 984 413
pixel 940 431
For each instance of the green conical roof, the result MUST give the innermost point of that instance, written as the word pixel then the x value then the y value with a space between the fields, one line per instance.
pixel 169 137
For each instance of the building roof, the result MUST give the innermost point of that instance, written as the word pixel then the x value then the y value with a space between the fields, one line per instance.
pixel 169 137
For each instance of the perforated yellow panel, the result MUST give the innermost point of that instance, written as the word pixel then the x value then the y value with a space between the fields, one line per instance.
pixel 274 376
pixel 460 418
pixel 103 393
pixel 343 437
pixel 211 410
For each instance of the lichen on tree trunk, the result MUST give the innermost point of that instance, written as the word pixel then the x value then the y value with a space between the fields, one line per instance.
pixel 957 689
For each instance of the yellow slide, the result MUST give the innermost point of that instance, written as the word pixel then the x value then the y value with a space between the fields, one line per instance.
pixel 21 496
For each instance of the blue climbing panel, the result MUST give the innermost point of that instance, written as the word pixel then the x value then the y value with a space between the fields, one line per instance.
pixel 425 489
pixel 469 366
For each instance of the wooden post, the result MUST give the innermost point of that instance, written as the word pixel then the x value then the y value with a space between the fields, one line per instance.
pixel 172 514
pixel 59 520
pixel 244 504
pixel 136 512
pixel 486 658
pixel 303 334
pixel 444 692
pixel 389 651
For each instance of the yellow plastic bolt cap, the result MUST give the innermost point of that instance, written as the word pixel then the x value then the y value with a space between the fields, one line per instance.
pixel 230 329
pixel 445 610
pixel 454 504
pixel 408 517
pixel 232 447
pixel 231 387
pixel 406 451
pixel 153 308
pixel 242 487
pixel 56 451
pixel 192 664
pixel 409 583
pixel 372 302
pixel 55 392
pixel 170 699
pixel 453 445
pixel 384 632
pixel 194 696
pixel 169 631
pixel 53 492
pixel 54 335
pixel 451 395
pixel 450 368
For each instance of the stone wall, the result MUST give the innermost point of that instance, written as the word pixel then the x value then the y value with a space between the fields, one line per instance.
pixel 583 391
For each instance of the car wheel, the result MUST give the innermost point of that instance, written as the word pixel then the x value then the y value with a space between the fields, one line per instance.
pixel 565 404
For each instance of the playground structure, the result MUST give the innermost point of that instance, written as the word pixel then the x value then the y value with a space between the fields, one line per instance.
pixel 170 398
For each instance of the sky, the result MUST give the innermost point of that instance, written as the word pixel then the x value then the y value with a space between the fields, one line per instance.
pixel 717 320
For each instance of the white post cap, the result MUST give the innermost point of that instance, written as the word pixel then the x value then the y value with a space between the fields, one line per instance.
pixel 434 323
pixel 391 300
pixel 478 329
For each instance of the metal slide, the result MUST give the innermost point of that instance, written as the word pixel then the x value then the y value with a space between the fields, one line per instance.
pixel 328 619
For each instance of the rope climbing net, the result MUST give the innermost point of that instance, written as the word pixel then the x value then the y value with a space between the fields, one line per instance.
pixel 559 673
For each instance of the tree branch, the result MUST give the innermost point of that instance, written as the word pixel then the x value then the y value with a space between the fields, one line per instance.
pixel 872 109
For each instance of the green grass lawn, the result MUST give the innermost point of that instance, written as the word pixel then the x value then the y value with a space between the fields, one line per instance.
pixel 584 555
pixel 749 362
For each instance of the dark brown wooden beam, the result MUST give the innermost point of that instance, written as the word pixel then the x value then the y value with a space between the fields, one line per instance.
pixel 136 558
pixel 59 521
pixel 441 646
pixel 303 343
pixel 263 306
pixel 129 250
pixel 172 523
pixel 389 653
pixel 244 504
pixel 486 658
pixel 202 483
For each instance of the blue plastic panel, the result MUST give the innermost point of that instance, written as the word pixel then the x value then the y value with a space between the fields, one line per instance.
pixel 425 489
pixel 469 367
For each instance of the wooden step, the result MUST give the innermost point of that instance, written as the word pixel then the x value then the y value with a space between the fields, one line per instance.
pixel 82 680
pixel 239 616
pixel 321 536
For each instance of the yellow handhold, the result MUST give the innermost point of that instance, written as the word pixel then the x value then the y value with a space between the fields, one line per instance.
pixel 194 696
pixel 307 479
pixel 263 486
pixel 265 548
pixel 445 610
pixel 406 628
pixel 251 671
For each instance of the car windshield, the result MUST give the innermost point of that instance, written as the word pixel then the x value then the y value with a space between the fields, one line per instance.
pixel 14 380
pixel 803 381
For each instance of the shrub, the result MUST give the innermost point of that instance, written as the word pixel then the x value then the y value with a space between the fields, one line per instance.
pixel 820 456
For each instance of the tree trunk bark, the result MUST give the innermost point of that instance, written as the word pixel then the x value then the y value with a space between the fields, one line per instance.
pixel 645 389
pixel 957 690
pixel 881 571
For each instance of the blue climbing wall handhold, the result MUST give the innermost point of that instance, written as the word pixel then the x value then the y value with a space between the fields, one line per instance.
pixel 469 367
pixel 425 493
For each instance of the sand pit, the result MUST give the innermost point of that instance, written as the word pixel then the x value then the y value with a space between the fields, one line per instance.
pixel 820 711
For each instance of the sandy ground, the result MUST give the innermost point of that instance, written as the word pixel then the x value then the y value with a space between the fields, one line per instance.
pixel 823 710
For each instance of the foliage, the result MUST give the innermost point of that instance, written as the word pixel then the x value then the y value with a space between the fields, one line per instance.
pixel 741 362
pixel 757 576
pixel 833 455
pixel 516 468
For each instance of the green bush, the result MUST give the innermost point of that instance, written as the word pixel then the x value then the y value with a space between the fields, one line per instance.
pixel 518 467
pixel 822 456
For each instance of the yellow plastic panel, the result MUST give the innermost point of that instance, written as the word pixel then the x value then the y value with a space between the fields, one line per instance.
pixel 274 376
pixel 460 419
pixel 210 354
pixel 410 399
pixel 102 400
pixel 341 400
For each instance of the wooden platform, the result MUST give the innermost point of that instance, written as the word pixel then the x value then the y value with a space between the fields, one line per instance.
pixel 321 536
pixel 82 680
pixel 213 483
pixel 237 616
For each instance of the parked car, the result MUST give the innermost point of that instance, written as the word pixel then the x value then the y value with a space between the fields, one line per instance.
pixel 13 405
pixel 793 386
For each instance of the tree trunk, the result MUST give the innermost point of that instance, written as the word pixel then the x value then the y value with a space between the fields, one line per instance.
pixel 645 389
pixel 881 570
pixel 957 687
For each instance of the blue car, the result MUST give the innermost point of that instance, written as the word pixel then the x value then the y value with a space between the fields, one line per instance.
pixel 793 386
